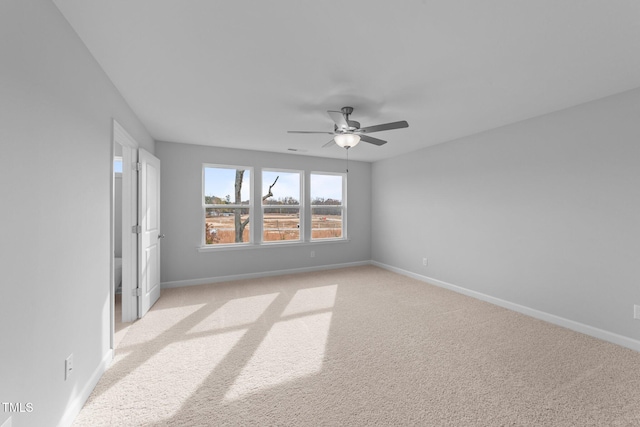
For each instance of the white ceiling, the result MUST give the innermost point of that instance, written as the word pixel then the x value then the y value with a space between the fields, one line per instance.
pixel 241 73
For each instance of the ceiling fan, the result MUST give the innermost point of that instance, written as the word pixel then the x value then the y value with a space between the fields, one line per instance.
pixel 348 133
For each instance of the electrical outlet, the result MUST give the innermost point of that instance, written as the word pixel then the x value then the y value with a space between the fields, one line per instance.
pixel 424 262
pixel 636 311
pixel 313 254
pixel 68 366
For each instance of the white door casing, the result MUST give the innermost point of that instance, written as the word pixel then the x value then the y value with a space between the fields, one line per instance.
pixel 149 237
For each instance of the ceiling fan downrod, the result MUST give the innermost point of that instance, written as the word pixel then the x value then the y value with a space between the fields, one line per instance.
pixel 347 112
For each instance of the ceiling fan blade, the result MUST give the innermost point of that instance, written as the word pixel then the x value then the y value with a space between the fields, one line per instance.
pixel 386 126
pixel 338 118
pixel 308 131
pixel 328 144
pixel 372 140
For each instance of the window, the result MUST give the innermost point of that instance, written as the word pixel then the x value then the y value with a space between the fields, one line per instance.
pixel 327 206
pixel 280 205
pixel 227 204
pixel 117 165
pixel 277 211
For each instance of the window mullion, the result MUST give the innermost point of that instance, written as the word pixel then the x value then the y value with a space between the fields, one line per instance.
pixel 258 212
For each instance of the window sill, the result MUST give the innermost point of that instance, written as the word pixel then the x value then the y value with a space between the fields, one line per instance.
pixel 246 246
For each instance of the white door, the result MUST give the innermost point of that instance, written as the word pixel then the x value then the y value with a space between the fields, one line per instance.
pixel 149 237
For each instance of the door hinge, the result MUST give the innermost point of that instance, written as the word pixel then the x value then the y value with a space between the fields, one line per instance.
pixel 136 229
pixel 137 292
pixel 137 166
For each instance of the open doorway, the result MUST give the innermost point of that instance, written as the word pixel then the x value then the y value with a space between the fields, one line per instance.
pixel 124 308
pixel 119 327
pixel 135 258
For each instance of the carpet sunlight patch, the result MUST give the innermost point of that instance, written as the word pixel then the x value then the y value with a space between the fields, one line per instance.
pixel 168 378
pixel 312 299
pixel 236 312
pixel 294 347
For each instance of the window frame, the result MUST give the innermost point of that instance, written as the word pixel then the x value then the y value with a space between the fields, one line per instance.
pixel 249 206
pixel 342 206
pixel 301 207
pixel 256 210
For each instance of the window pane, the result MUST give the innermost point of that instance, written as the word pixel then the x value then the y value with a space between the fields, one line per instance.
pixel 281 223
pixel 220 186
pixel 117 165
pixel 221 225
pixel 281 191
pixel 326 189
pixel 326 206
pixel 326 223
pixel 285 191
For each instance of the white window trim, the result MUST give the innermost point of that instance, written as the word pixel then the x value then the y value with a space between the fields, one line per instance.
pixel 262 246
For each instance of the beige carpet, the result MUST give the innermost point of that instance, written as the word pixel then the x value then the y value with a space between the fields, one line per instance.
pixel 356 346
pixel 120 328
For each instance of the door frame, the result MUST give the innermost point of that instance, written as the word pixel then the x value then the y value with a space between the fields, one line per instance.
pixel 129 219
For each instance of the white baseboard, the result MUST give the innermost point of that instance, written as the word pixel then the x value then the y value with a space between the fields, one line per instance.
pixel 551 318
pixel 547 317
pixel 208 280
pixel 74 407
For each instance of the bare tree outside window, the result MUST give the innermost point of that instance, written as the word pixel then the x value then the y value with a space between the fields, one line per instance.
pixel 240 224
pixel 227 204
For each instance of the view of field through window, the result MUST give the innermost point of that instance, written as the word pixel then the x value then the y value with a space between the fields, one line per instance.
pixel 227 200
pixel 326 206
pixel 228 204
pixel 280 205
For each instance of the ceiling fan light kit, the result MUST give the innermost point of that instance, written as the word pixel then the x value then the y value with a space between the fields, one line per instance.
pixel 347 140
pixel 348 133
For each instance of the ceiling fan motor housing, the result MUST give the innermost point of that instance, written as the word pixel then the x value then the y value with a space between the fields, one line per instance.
pixel 352 124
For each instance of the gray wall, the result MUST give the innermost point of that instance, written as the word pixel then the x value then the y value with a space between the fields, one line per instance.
pixel 544 213
pixel 56 110
pixel 181 213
